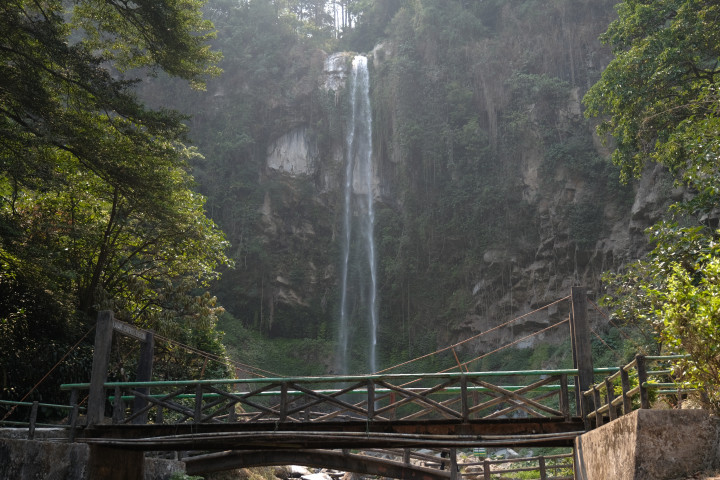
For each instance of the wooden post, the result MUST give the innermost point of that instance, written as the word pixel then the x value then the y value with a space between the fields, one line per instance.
pixel 198 403
pixel 406 456
pixel 487 472
pixel 33 420
pixel 610 394
pixel 576 380
pixel 74 394
pixel 144 374
pixel 625 381
pixel 582 348
pixel 159 417
pixel 642 378
pixel 564 397
pixel 596 398
pixel 370 400
pixel 232 412
pixel 543 471
pixel 283 401
pixel 464 399
pixel 586 406
pixel 118 406
pixel 72 421
pixel 101 359
pixel 453 464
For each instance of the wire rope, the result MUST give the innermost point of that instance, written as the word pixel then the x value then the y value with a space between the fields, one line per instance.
pixel 62 359
pixel 514 342
pixel 619 329
pixel 474 337
pixel 249 369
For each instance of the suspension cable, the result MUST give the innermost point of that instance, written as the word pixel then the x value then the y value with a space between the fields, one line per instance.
pixel 474 337
pixel 601 340
pixel 610 320
pixel 466 364
pixel 10 412
pixel 249 369
pixel 507 345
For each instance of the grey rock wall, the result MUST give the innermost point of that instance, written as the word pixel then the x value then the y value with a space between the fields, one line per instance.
pixel 59 460
pixel 30 460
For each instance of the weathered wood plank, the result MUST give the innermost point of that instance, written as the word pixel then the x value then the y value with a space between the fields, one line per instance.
pixel 415 397
pixel 101 359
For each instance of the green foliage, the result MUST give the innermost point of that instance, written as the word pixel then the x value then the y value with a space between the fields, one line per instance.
pixel 281 356
pixel 660 96
pixel 183 476
pixel 97 208
pixel 372 19
pixel 658 91
pixel 586 222
pixel 677 296
pixel 530 88
pixel 170 35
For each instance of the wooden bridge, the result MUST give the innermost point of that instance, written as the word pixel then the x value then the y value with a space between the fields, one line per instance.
pixel 275 420
pixel 319 420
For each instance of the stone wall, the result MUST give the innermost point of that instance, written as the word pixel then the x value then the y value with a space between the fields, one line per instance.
pixel 55 459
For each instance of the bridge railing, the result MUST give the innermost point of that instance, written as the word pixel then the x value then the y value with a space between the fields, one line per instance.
pixel 546 467
pixel 392 397
pixel 631 387
pixel 32 416
pixel 542 467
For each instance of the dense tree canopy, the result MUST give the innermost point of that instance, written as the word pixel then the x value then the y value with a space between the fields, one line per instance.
pixel 97 208
pixel 659 98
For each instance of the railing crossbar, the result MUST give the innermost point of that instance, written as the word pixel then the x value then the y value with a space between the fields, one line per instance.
pixel 410 396
pixel 505 395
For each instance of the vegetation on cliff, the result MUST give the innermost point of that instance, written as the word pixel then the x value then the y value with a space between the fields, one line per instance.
pixel 464 109
pixel 660 99
pixel 494 190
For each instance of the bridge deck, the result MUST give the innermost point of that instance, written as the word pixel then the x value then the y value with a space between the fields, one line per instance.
pixel 376 411
pixel 334 435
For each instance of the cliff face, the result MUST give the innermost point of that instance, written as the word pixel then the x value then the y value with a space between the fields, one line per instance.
pixel 493 193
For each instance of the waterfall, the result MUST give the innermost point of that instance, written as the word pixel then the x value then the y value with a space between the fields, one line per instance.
pixel 359 202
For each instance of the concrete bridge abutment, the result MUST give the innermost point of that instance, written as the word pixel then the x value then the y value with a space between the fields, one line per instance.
pixel 650 445
pixel 116 464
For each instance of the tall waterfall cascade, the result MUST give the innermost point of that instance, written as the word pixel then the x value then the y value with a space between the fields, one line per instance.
pixel 359 270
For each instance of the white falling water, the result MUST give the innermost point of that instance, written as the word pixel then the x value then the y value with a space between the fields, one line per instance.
pixel 359 202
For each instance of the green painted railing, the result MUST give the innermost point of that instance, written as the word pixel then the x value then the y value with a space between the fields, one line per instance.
pixel 39 404
pixel 606 402
pixel 381 397
pixel 338 379
pixel 32 423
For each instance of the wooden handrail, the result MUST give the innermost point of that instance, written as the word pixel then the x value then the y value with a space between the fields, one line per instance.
pixel 612 403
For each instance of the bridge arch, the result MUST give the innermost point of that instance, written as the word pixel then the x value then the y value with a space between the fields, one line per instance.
pixel 338 460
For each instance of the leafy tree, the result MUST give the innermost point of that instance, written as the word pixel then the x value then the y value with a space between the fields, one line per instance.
pixel 371 20
pixel 97 208
pixel 660 98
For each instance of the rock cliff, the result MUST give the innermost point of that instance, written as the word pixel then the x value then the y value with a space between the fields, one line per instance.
pixel 493 193
pixel 572 220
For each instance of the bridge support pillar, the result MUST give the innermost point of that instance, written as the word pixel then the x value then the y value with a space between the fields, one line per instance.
pixel 116 464
pixel 101 359
pixel 453 464
pixel 581 348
